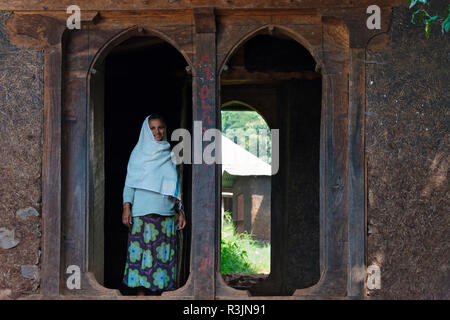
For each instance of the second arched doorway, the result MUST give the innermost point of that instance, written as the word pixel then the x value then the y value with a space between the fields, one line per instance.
pixel 277 76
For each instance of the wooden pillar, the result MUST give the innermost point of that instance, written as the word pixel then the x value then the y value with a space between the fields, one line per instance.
pixel 359 36
pixel 51 173
pixel 356 180
pixel 53 267
pixel 336 193
pixel 204 175
pixel 74 163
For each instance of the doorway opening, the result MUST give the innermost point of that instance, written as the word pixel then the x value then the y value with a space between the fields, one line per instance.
pixel 277 76
pixel 140 76
pixel 246 178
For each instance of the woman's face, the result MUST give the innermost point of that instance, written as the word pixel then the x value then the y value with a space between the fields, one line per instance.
pixel 157 127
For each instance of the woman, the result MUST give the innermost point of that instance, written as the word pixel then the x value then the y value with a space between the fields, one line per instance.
pixel 151 206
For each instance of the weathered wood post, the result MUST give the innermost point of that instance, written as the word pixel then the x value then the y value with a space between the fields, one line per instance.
pixel 51 173
pixel 204 175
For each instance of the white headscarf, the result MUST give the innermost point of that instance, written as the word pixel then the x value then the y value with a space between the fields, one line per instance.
pixel 150 166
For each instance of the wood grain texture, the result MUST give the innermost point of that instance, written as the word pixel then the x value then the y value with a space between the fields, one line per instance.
pixel 51 173
pixel 204 175
pixel 74 160
pixel 334 164
pixel 356 172
pixel 187 4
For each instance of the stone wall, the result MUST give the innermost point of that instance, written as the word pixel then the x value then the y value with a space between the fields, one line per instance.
pixel 407 141
pixel 256 191
pixel 21 103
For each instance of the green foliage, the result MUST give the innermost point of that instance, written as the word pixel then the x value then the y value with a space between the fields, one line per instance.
pixel 423 17
pixel 446 23
pixel 240 253
pixel 241 119
pixel 243 127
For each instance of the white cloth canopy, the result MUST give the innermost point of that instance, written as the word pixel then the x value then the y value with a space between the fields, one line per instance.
pixel 239 162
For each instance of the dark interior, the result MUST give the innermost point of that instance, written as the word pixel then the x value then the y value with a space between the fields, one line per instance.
pixel 272 73
pixel 142 76
pixel 277 76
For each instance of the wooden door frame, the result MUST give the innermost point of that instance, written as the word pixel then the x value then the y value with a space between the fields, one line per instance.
pixel 343 176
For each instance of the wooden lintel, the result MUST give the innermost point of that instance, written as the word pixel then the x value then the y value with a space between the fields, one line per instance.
pixel 240 76
pixel 100 5
pixel 41 29
pixel 85 15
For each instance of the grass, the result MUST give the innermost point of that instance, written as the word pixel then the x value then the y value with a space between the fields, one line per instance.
pixel 240 252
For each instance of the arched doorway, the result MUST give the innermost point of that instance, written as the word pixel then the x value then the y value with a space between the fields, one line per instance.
pixel 139 76
pixel 277 76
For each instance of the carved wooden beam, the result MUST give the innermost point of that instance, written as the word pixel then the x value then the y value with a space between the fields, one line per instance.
pixel 41 29
pixel 186 5
pixel 356 21
pixel 240 76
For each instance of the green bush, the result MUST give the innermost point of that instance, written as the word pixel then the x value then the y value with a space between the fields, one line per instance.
pixel 240 253
pixel 422 16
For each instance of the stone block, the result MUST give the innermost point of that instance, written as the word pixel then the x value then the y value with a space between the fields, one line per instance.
pixel 25 213
pixel 30 272
pixel 7 240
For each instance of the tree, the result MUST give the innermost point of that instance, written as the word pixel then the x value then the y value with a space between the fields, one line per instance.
pixel 423 17
pixel 244 128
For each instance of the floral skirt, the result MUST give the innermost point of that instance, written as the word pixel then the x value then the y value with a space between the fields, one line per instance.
pixel 152 253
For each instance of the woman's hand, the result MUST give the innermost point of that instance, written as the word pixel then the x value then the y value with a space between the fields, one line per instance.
pixel 127 219
pixel 181 221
